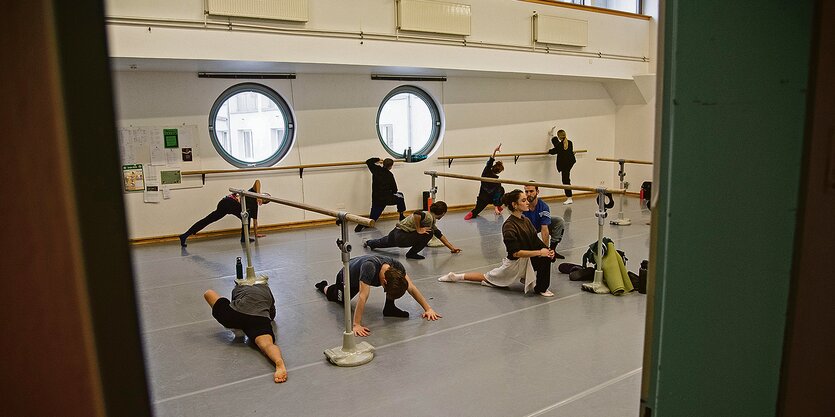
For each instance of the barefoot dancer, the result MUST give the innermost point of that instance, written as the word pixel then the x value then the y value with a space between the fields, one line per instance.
pixel 252 310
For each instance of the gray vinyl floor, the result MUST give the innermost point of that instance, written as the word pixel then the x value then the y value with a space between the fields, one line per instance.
pixel 494 353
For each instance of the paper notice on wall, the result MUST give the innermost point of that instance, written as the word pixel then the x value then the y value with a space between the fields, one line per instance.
pixel 186 140
pixel 166 192
pixel 157 154
pixel 172 157
pixel 152 185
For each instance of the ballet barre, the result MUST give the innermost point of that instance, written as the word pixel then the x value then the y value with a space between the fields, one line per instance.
pixel 350 353
pixel 621 221
pixel 515 156
pixel 597 286
pixel 301 168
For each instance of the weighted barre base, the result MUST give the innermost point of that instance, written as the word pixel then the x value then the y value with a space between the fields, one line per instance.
pixel 621 222
pixel 597 287
pixel 359 355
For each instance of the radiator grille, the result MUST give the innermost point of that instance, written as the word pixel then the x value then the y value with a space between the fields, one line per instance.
pixel 292 10
pixel 433 16
pixel 560 30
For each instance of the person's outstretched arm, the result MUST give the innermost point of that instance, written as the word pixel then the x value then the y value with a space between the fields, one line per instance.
pixel 428 313
pixel 448 244
pixel 359 329
pixel 372 164
pixel 498 148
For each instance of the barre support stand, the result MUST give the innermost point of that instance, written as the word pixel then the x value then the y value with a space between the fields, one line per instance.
pixel 433 192
pixel 250 270
pixel 621 221
pixel 598 286
pixel 350 353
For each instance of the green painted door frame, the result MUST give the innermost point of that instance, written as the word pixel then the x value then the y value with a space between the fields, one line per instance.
pixel 728 154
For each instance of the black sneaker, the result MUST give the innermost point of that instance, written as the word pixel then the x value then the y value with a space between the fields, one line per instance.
pixel 359 228
pixel 183 238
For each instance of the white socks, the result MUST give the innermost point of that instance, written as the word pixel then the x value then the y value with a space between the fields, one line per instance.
pixel 451 277
pixel 568 201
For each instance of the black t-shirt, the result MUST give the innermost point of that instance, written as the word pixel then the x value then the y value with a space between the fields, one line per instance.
pixel 383 185
pixel 489 188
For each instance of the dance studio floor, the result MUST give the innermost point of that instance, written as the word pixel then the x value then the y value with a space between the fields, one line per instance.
pixel 494 353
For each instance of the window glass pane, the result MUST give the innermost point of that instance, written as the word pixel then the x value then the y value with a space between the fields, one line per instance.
pixel 252 126
pixel 408 118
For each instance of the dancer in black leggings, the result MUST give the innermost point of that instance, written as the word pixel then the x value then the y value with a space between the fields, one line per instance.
pixel 230 205
pixel 383 189
pixel 489 192
pixel 564 149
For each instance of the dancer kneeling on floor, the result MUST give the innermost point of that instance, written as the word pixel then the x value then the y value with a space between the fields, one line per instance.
pixel 376 271
pixel 527 256
pixel 415 231
pixel 252 310
pixel 489 192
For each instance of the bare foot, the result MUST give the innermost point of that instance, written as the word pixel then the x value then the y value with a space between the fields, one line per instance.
pixel 280 374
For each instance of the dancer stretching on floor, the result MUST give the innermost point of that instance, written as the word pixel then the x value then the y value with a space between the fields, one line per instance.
pixel 528 258
pixel 415 231
pixel 252 310
pixel 376 271
pixel 489 192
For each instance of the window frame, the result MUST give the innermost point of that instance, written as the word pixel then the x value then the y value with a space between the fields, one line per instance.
pixel 437 115
pixel 287 142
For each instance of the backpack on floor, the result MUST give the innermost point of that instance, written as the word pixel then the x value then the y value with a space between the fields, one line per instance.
pixel 589 256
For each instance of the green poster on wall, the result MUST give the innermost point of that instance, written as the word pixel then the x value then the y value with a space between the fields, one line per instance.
pixel 170 177
pixel 170 136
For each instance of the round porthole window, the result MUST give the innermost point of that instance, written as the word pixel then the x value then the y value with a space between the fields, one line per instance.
pixel 409 121
pixel 251 126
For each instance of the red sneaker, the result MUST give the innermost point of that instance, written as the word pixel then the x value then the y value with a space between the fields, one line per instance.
pixel 468 216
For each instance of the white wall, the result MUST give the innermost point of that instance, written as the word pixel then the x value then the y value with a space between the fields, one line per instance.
pixel 335 115
pixel 493 21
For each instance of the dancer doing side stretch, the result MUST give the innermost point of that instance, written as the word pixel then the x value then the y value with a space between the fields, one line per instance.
pixel 489 192
pixel 528 257
pixel 564 149
pixel 383 189
pixel 231 204
pixel 376 271
pixel 252 310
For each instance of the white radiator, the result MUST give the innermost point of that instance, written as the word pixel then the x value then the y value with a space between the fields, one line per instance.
pixel 292 10
pixel 560 30
pixel 433 16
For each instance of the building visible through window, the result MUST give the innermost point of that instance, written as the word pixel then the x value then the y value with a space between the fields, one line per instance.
pixel 251 125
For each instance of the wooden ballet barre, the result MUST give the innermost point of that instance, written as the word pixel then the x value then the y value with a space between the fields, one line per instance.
pixel 515 156
pixel 628 161
pixel 301 168
pixel 537 184
pixel 327 212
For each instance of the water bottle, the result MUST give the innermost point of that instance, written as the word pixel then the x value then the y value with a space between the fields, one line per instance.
pixel 642 277
pixel 239 268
